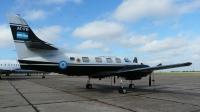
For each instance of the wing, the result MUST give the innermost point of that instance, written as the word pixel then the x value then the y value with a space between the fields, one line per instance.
pixel 113 73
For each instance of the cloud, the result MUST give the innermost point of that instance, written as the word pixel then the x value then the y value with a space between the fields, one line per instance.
pixel 133 10
pixel 35 15
pixel 46 2
pixel 61 1
pixel 165 44
pixel 6 37
pixel 89 44
pixel 176 26
pixel 49 34
pixel 107 50
pixel 100 29
pixel 137 40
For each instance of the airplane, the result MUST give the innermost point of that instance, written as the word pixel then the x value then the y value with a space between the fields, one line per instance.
pixel 12 66
pixel 36 54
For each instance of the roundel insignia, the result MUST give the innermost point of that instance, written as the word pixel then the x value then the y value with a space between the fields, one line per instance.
pixel 62 65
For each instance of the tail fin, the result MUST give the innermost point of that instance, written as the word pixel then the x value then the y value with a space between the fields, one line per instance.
pixel 135 60
pixel 24 38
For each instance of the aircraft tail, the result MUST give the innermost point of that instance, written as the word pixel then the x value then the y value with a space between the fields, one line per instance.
pixel 26 42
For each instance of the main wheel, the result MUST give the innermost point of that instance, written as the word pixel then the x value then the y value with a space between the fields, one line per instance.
pixel 120 90
pixel 89 86
pixel 124 90
pixel 43 77
pixel 0 77
pixel 131 86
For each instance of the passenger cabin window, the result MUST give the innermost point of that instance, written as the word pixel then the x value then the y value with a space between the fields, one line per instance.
pixel 126 60
pixel 118 60
pixel 85 59
pixel 99 60
pixel 109 60
pixel 72 58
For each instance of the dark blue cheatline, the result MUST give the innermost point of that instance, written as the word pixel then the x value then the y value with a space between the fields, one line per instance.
pixel 63 65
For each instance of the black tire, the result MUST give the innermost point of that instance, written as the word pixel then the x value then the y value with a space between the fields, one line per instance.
pixel 0 77
pixel 86 86
pixel 120 90
pixel 131 86
pixel 43 77
pixel 90 86
pixel 123 90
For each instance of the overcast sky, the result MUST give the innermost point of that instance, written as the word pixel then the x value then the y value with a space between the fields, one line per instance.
pixel 154 31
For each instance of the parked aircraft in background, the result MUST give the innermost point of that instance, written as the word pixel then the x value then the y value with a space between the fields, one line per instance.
pixel 12 66
pixel 36 54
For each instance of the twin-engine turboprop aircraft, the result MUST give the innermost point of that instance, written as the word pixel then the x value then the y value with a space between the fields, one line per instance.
pixel 36 54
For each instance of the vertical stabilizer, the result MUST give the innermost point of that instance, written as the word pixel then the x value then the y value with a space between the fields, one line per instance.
pixel 26 42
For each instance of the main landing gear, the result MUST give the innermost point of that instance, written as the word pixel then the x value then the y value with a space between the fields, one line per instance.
pixel 122 89
pixel 88 85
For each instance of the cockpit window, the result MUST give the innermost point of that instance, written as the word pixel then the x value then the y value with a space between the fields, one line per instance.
pixel 72 58
pixel 126 60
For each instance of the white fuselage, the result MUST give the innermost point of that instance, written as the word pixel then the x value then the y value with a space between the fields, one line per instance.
pixel 9 65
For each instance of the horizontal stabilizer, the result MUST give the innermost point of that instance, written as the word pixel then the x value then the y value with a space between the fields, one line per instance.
pixel 39 45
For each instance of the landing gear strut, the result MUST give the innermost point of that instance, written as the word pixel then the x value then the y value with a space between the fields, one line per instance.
pixel 149 79
pixel 122 89
pixel 131 86
pixel 88 85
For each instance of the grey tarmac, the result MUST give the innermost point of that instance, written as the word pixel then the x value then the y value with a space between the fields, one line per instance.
pixel 59 93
